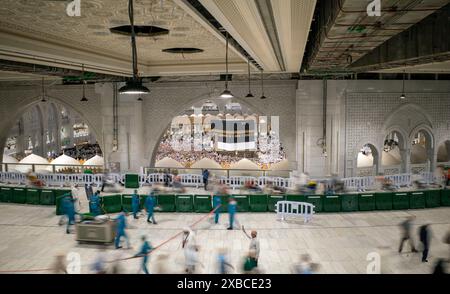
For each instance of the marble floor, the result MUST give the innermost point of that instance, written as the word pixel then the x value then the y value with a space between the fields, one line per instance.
pixel 30 238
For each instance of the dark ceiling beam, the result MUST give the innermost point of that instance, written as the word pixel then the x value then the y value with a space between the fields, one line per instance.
pixel 425 42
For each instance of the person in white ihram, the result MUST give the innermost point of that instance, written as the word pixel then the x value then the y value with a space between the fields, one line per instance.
pixel 189 244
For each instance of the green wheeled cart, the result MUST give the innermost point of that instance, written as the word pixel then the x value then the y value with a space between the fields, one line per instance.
pixel 317 201
pixel 272 201
pixel 19 195
pixel 383 201
pixel 33 196
pixel 126 202
pixel 349 202
pixel 47 197
pixel 332 203
pixel 6 194
pixel 132 181
pixel 445 197
pixel 243 204
pixel 111 203
pixel 433 198
pixel 166 202
pixel 400 200
pixel 58 200
pixel 202 203
pixel 258 202
pixel 366 202
pixel 184 203
pixel 417 199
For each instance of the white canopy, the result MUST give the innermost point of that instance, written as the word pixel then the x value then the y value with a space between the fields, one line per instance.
pixel 206 163
pixel 282 165
pixel 63 159
pixel 168 162
pixel 32 159
pixel 244 164
pixel 9 159
pixel 96 160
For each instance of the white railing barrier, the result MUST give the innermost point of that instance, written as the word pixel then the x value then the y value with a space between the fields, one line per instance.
pixel 262 181
pixel 295 209
pixel 191 180
pixel 142 180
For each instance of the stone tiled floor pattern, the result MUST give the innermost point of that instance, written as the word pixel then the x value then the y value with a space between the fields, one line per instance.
pixel 339 242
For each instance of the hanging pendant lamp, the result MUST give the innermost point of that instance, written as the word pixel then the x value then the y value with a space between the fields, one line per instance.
pixel 249 95
pixel 134 86
pixel 226 93
pixel 403 96
pixel 262 85
pixel 43 92
pixel 83 99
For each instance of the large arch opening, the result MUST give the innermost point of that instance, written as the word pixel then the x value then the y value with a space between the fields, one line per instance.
pixel 443 152
pixel 391 156
pixel 367 160
pixel 421 151
pixel 49 130
pixel 221 135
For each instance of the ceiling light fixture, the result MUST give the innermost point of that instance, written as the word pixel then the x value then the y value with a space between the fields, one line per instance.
pixel 249 95
pixel 226 93
pixel 403 96
pixel 262 85
pixel 83 99
pixel 43 92
pixel 133 86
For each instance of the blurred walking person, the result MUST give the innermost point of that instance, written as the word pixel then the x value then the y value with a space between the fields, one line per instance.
pixel 406 234
pixel 217 202
pixel 99 266
pixel 60 266
pixel 69 210
pixel 144 253
pixel 135 204
pixel 150 203
pixel 232 208
pixel 425 238
pixel 222 262
pixel 121 226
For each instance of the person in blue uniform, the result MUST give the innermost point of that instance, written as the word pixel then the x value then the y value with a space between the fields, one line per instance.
pixel 150 203
pixel 69 210
pixel 217 201
pixel 120 231
pixel 145 250
pixel 232 207
pixel 205 175
pixel 94 204
pixel 135 204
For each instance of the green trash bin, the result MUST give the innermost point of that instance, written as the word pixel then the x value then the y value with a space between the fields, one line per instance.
pixel 58 200
pixel 400 200
pixel 258 202
pixel 366 202
pixel 433 198
pixel 297 198
pixel 332 203
pixel 33 196
pixel 272 202
pixel 111 203
pixel 417 199
pixel 6 194
pixel 47 197
pixel 184 203
pixel 445 197
pixel 202 203
pixel 349 202
pixel 383 201
pixel 126 202
pixel 166 203
pixel 243 203
pixel 19 195
pixel 317 201
pixel 131 181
